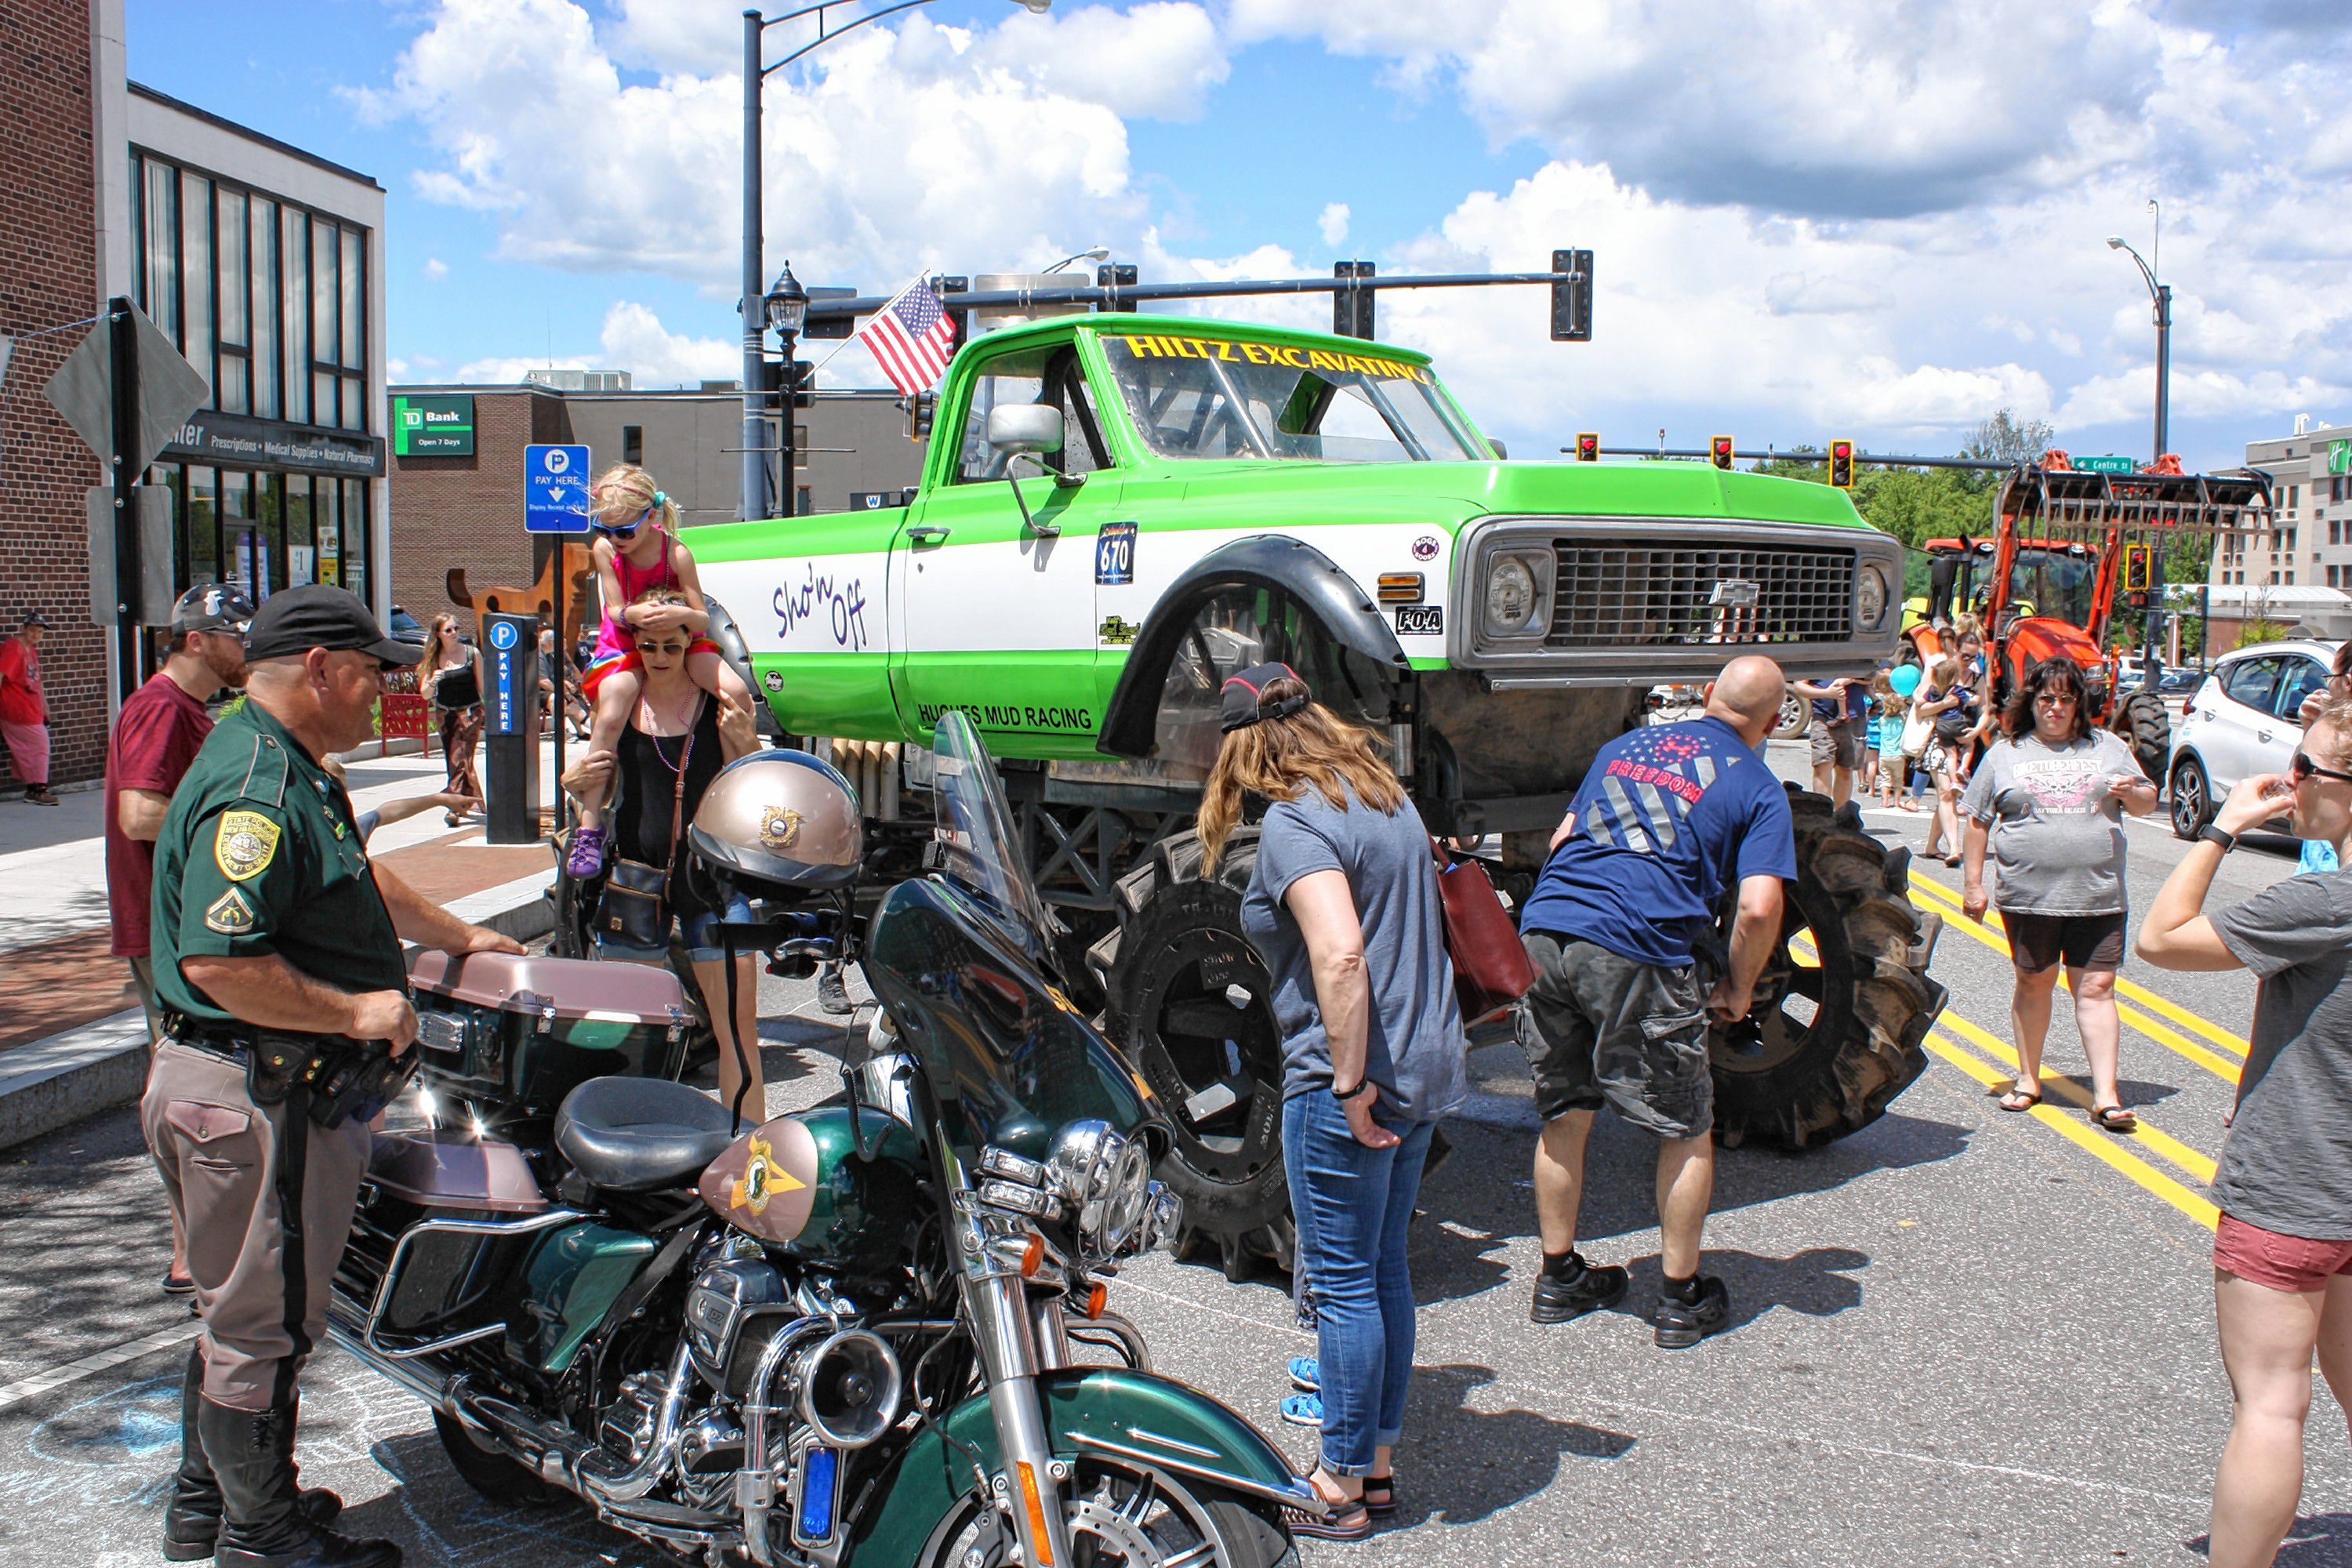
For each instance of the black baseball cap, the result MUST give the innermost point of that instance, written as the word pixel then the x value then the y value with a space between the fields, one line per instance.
pixel 34 618
pixel 320 614
pixel 211 607
pixel 1240 696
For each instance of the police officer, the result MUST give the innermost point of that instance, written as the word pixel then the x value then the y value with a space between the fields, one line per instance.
pixel 278 965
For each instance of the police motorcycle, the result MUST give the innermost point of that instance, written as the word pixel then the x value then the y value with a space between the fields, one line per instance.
pixel 870 1335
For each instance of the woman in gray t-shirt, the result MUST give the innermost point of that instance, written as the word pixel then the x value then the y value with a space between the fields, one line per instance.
pixel 2048 801
pixel 2283 1252
pixel 1343 906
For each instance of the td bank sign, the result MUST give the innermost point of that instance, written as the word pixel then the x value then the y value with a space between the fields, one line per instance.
pixel 433 427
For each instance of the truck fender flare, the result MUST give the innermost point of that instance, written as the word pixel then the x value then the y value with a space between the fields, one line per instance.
pixel 1266 560
pixel 1138 1417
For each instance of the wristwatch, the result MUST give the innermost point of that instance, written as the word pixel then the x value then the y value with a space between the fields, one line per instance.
pixel 1361 1084
pixel 2228 841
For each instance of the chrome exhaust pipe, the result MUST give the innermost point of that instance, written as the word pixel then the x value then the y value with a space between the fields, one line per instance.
pixel 428 1383
pixel 569 1460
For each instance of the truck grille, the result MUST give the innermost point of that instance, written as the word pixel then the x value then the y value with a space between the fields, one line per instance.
pixel 1608 596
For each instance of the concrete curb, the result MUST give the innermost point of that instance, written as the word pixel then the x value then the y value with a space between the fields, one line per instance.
pixel 79 1072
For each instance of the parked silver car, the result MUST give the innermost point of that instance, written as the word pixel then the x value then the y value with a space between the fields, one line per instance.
pixel 2241 722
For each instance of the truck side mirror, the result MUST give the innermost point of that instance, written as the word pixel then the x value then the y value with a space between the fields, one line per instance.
pixel 1017 430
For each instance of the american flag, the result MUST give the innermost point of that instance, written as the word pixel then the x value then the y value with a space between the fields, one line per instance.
pixel 911 338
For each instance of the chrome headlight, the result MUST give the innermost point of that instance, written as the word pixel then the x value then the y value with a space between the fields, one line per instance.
pixel 1104 1179
pixel 1870 597
pixel 1518 593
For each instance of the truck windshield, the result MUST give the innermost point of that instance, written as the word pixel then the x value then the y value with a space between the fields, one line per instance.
pixel 1238 400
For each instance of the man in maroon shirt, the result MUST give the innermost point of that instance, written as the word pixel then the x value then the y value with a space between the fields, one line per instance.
pixel 156 736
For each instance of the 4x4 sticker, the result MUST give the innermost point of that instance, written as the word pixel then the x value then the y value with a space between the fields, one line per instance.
pixel 1115 554
pixel 1420 620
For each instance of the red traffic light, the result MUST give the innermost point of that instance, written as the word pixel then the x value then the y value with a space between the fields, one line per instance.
pixel 1718 451
pixel 1842 464
pixel 1588 446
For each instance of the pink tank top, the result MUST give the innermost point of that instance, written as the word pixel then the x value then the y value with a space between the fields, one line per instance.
pixel 614 636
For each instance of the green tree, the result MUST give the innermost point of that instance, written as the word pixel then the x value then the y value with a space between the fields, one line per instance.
pixel 2006 438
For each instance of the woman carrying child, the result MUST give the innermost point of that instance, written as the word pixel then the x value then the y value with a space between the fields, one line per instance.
pixel 636 550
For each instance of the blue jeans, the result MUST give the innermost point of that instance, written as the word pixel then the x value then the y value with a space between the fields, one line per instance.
pixel 1351 1205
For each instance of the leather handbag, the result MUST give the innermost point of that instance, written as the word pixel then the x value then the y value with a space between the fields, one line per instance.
pixel 1491 971
pixel 634 908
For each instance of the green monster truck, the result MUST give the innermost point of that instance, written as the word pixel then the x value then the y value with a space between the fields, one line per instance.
pixel 1121 509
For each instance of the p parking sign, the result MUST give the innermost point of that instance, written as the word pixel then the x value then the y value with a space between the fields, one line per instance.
pixel 555 489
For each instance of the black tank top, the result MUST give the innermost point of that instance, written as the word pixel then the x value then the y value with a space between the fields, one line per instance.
pixel 641 830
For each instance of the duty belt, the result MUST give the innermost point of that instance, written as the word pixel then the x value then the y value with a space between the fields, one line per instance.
pixel 339 1077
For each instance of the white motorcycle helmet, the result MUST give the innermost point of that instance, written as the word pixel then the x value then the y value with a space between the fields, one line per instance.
pixel 782 820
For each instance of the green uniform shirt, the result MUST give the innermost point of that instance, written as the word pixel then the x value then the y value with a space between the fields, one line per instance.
pixel 260 853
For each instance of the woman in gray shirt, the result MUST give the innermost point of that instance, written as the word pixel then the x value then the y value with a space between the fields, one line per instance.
pixel 2049 800
pixel 2283 1252
pixel 1343 906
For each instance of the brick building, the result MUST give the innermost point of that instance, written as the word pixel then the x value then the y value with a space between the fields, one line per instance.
pixel 51 273
pixel 460 508
pixel 261 263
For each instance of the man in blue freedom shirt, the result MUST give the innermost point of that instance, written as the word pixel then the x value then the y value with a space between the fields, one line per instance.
pixel 1669 816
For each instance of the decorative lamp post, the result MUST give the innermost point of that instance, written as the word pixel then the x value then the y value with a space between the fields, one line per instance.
pixel 786 311
pixel 2161 295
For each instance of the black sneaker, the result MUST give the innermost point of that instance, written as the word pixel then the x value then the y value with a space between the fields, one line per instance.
pixel 1588 1289
pixel 1682 1324
pixel 832 996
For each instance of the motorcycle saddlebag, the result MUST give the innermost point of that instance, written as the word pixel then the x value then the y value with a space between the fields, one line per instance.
pixel 518 1033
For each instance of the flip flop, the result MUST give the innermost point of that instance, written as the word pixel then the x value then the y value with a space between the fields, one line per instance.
pixel 2114 1118
pixel 2023 1102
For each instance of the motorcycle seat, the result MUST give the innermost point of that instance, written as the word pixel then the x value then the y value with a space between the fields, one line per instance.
pixel 642 1134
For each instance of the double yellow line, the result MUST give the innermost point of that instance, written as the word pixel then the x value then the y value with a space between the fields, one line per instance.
pixel 1993 1063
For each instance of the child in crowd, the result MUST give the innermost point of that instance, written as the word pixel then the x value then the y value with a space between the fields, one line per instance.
pixel 636 549
pixel 1886 711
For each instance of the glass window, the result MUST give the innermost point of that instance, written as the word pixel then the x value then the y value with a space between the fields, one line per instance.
pixel 235 317
pixel 324 315
pixel 1229 399
pixel 2252 682
pixel 200 522
pixel 299 514
pixel 197 272
pixel 322 397
pixel 1049 374
pixel 294 274
pixel 354 287
pixel 326 521
pixel 265 308
pixel 159 285
pixel 355 536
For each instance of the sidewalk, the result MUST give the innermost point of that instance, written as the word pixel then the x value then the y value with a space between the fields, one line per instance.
pixel 71 1037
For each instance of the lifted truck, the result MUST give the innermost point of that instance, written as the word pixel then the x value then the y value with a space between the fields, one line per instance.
pixel 1119 511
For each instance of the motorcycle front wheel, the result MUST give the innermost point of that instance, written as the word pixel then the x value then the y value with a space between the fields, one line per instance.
pixel 1125 1515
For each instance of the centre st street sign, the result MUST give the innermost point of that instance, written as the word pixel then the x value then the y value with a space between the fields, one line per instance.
pixel 2104 465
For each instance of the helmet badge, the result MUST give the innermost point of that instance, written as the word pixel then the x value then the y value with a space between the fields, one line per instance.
pixel 780 826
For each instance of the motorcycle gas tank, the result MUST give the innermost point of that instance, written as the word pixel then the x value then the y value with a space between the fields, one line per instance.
pixel 804 1182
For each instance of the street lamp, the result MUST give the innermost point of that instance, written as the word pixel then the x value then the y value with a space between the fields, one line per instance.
pixel 786 307
pixel 754 500
pixel 1094 253
pixel 2160 294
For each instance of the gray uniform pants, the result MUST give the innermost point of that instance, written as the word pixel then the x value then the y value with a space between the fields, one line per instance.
pixel 264 1232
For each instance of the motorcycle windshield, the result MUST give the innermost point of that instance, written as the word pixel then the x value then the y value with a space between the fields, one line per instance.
pixel 977 848
pixel 963 961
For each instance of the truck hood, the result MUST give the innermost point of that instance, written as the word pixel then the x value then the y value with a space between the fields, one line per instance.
pixel 1457 493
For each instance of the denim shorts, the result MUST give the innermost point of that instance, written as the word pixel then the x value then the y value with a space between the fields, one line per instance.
pixel 697 930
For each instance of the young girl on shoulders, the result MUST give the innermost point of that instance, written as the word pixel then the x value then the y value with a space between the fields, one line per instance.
pixel 636 549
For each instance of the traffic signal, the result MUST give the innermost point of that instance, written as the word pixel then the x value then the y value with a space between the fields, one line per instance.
pixel 1116 275
pixel 1572 296
pixel 2136 568
pixel 1352 308
pixel 1588 446
pixel 1718 451
pixel 1842 464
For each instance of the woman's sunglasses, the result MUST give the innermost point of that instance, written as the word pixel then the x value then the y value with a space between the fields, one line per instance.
pixel 2303 767
pixel 666 649
pixel 2053 700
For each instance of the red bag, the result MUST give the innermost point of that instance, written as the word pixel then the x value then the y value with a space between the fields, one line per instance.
pixel 1491 971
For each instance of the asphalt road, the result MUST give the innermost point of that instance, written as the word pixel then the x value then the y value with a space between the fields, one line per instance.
pixel 1959 1337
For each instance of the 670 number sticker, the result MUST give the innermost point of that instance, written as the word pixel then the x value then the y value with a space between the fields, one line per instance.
pixel 1115 554
pixel 1426 620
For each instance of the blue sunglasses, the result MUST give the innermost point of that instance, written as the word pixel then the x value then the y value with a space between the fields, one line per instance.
pixel 623 530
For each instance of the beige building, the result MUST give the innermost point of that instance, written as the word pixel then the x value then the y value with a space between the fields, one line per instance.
pixel 2298 574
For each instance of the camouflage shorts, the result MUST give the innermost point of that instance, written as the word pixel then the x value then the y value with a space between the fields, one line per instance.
pixel 1600 1029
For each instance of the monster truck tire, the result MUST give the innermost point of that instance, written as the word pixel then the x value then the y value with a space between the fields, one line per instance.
pixel 1191 1002
pixel 2146 726
pixel 1840 1037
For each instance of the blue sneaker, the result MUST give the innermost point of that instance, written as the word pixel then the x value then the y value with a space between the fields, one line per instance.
pixel 1305 1374
pixel 1303 1410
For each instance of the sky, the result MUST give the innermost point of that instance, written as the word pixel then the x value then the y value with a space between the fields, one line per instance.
pixel 1879 219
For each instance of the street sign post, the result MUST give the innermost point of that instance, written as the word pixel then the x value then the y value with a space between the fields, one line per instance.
pixel 2103 465
pixel 555 489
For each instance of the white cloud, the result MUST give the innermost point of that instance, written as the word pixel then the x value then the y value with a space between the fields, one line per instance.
pixel 1333 224
pixel 436 269
pixel 634 340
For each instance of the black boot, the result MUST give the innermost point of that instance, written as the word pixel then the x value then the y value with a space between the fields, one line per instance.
pixel 192 1522
pixel 262 1524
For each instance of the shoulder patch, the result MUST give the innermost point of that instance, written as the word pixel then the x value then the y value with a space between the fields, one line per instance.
pixel 229 914
pixel 246 844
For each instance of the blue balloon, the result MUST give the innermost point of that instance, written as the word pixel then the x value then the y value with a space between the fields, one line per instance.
pixel 1905 679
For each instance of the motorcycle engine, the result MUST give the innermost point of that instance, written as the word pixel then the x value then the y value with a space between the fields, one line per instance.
pixel 627 1429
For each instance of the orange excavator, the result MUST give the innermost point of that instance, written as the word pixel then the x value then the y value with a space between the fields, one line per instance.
pixel 2044 586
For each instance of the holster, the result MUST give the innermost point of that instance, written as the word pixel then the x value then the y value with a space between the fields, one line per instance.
pixel 272 1063
pixel 360 1081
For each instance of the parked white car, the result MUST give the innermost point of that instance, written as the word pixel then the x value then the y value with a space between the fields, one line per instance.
pixel 2241 722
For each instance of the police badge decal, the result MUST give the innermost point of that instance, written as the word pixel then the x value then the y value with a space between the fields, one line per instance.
pixel 245 845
